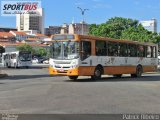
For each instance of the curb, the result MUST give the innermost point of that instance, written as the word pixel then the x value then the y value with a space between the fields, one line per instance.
pixel 158 72
pixel 3 75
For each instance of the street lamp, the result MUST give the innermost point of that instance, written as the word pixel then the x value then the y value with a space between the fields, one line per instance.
pixel 82 12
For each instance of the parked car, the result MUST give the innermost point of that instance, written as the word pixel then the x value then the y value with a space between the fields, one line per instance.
pixel 41 59
pixel 38 59
pixel 35 60
pixel 46 62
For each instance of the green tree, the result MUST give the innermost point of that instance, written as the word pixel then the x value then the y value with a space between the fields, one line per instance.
pixel 25 47
pixel 117 25
pixel 2 49
pixel 138 34
pixel 124 28
pixel 157 39
pixel 40 51
pixel 93 29
pixel 113 28
pixel 36 51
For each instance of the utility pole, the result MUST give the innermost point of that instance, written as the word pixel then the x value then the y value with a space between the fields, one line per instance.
pixel 82 12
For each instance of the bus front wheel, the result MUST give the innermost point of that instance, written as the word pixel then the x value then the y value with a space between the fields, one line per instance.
pixel 73 77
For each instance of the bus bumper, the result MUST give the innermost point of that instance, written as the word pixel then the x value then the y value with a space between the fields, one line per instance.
pixel 70 72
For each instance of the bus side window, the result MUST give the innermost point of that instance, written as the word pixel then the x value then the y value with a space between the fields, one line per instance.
pixel 13 56
pixel 132 50
pixel 101 48
pixel 112 49
pixel 123 50
pixel 153 52
pixel 148 51
pixel 85 49
pixel 141 51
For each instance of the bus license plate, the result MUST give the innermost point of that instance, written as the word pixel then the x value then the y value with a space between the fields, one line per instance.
pixel 61 70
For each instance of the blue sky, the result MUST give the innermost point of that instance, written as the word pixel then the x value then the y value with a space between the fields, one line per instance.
pixel 58 12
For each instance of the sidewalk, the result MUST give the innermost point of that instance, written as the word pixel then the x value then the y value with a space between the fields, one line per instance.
pixel 2 74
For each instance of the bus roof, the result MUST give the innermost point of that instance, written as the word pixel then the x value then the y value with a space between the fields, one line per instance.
pixel 114 40
pixel 79 37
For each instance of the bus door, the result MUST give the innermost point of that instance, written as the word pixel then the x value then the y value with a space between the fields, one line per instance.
pixel 85 53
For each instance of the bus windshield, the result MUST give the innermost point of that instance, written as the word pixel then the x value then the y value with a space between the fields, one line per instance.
pixel 65 50
pixel 25 56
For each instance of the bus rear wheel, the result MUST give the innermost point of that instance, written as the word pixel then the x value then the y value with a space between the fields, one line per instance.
pixel 97 73
pixel 73 77
pixel 139 71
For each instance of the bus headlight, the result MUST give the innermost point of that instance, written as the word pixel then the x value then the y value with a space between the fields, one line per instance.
pixel 74 66
pixel 74 62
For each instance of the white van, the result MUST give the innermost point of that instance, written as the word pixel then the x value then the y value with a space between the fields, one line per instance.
pixel 17 59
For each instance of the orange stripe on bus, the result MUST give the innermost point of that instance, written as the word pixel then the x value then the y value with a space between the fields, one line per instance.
pixel 108 70
pixel 70 72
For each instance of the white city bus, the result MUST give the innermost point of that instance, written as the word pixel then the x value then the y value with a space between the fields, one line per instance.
pixel 17 59
pixel 81 55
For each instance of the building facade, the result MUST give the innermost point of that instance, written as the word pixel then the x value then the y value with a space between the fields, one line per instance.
pixel 75 28
pixel 6 37
pixel 51 30
pixel 79 28
pixel 64 28
pixel 20 36
pixel 5 29
pixel 25 22
pixel 150 25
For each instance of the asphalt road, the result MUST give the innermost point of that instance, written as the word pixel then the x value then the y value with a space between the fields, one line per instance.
pixel 34 91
